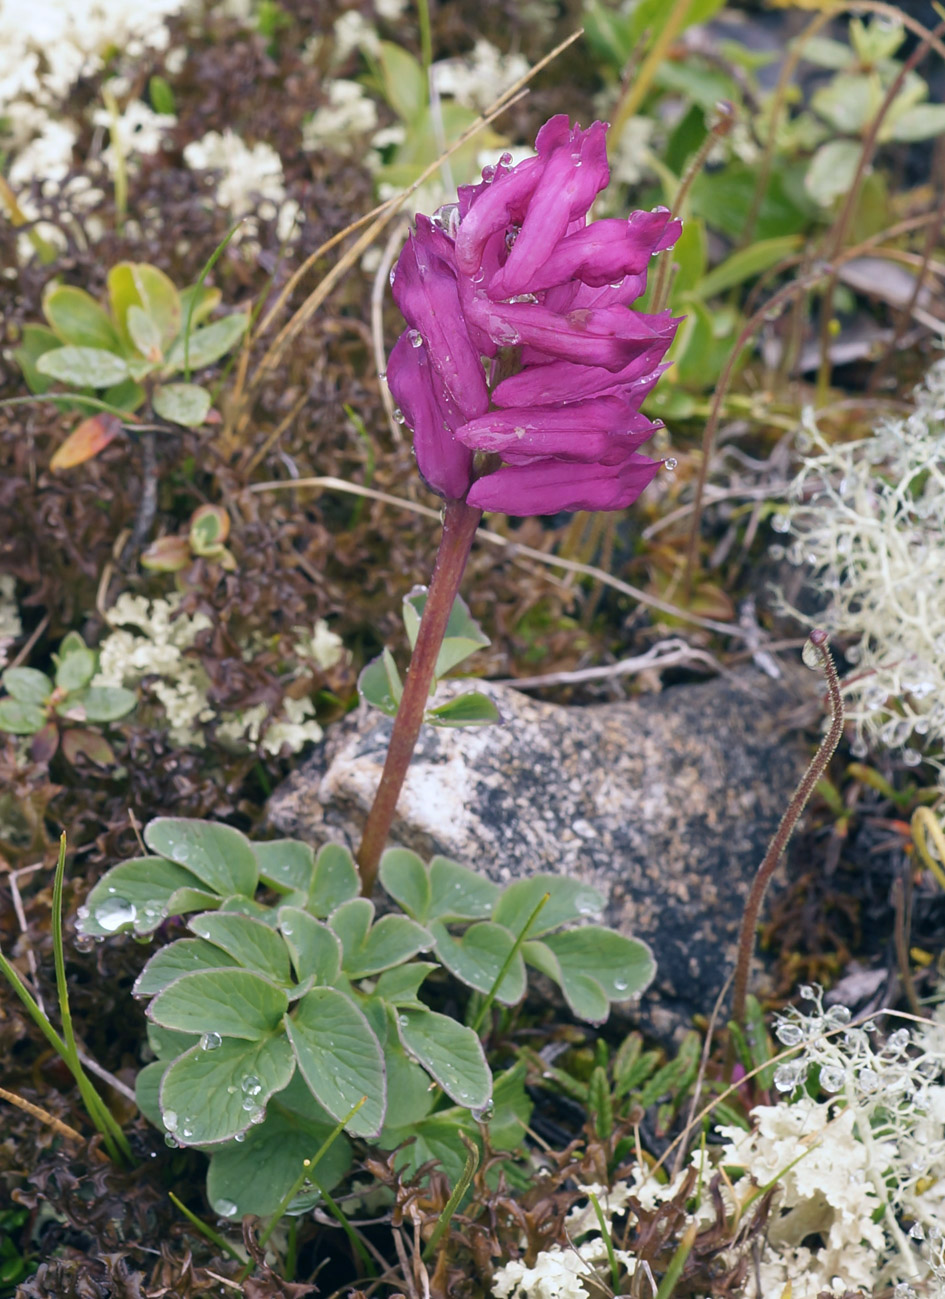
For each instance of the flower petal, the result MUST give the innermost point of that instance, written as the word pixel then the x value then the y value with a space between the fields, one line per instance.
pixel 607 336
pixel 444 463
pixel 598 254
pixel 425 290
pixel 602 430
pixel 549 486
pixel 562 381
pixel 573 174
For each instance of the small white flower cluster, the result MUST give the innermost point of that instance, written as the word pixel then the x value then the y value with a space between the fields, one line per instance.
pixel 342 123
pixel 574 1273
pixel 862 1172
pixel 11 627
pixel 157 658
pixel 251 180
pixel 478 78
pixel 45 47
pixel 867 517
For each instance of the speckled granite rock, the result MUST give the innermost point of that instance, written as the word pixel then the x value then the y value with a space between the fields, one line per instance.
pixel 666 803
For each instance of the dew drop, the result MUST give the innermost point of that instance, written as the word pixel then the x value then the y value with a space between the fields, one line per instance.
pixel 586 903
pixel 780 523
pixel 225 1208
pixel 670 463
pixel 240 1136
pixel 488 174
pixel 250 1085
pixel 916 1232
pixel 114 913
pixel 392 276
pixel 831 1078
pixel 187 1129
pixel 257 1115
pixel 171 1141
pixel 83 913
pixel 519 431
pixel 621 985
pixel 789 1034
pixel 483 1113
pixel 399 416
pixel 210 1041
pixel 415 337
pixel 170 1120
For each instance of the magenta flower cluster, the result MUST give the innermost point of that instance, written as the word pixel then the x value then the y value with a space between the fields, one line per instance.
pixel 520 340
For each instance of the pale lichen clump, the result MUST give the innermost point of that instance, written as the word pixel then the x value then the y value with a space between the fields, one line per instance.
pixel 250 181
pixel 11 627
pixel 858 1172
pixel 866 516
pixel 159 655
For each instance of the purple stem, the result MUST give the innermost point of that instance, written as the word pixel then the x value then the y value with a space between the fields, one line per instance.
pixel 460 522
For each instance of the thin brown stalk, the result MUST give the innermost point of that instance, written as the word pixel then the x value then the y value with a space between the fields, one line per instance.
pixel 838 230
pixel 459 529
pixel 746 939
pixel 932 233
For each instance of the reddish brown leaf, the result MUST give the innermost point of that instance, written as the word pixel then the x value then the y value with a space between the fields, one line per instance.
pixel 44 743
pixel 86 441
pixel 77 741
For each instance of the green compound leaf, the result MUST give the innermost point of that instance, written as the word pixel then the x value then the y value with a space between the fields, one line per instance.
pixel 182 403
pixel 83 367
pixel 167 1044
pixel 569 900
pixel 220 857
pixel 285 864
pixel 401 985
pixel 406 879
pixel 368 948
pixel 477 958
pixel 458 893
pixel 583 994
pixel 253 1177
pixel 409 1096
pixel 622 966
pixel 233 1003
pixel 210 1094
pixel 336 879
pixel 186 956
pixel 463 635
pixel 138 894
pixel 470 709
pixel 209 343
pixel 99 704
pixel 448 1051
pixel 148 1092
pixel 249 941
pixel 17 718
pixel 78 319
pixel 27 685
pixel 315 949
pixel 380 684
pixel 340 1058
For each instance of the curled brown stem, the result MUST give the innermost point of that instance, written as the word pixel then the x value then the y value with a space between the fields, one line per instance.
pixel 819 649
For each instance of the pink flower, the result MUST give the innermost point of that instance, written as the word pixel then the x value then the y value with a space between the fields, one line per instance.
pixel 512 279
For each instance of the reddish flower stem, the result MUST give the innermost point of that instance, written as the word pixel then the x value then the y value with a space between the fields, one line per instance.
pixel 746 941
pixel 460 522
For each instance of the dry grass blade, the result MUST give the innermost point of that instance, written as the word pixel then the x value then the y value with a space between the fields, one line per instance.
pixel 61 1129
pixel 384 215
pixel 515 548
